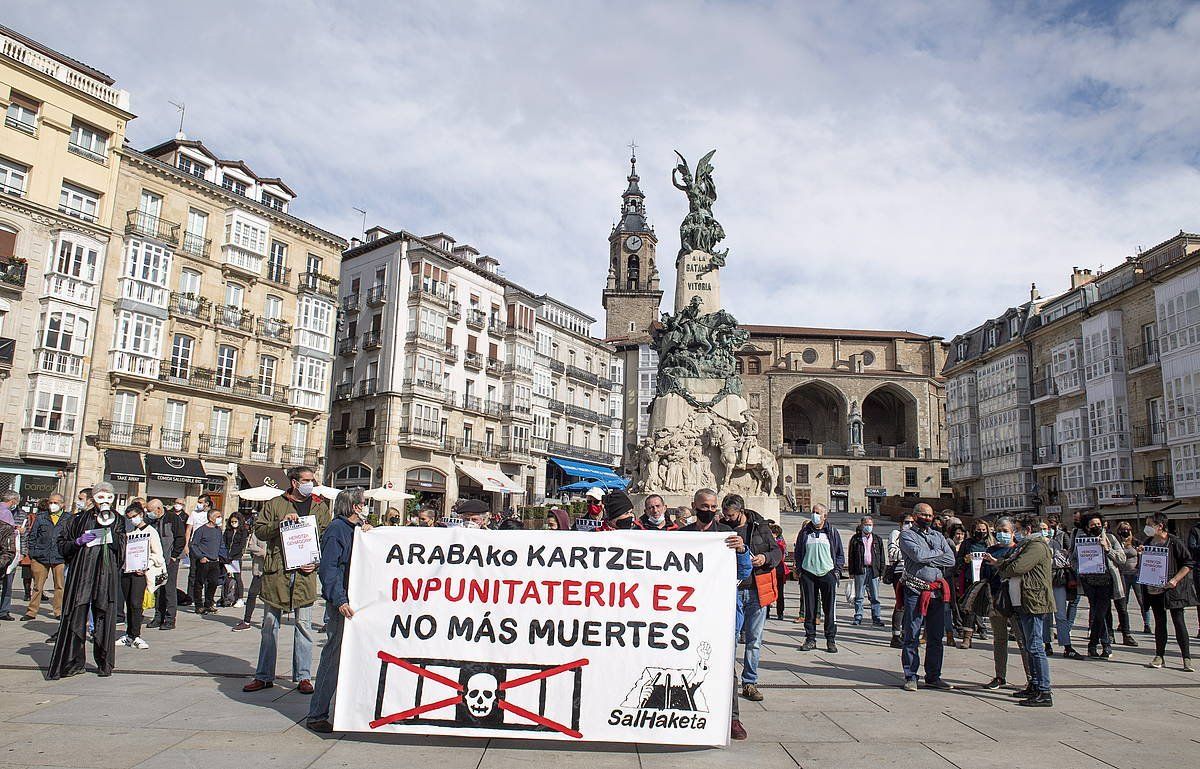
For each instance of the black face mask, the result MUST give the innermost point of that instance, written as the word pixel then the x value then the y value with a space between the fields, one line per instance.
pixel 623 523
pixel 705 516
pixel 1095 530
pixel 980 536
pixel 923 525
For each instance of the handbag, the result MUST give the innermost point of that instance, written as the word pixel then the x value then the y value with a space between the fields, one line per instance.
pixel 768 592
pixel 147 599
pixel 890 572
pixel 1002 602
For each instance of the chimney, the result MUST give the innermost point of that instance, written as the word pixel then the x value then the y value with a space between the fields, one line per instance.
pixel 1080 277
pixel 355 243
pixel 1034 294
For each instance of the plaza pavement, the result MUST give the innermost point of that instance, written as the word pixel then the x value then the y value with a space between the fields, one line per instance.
pixel 179 705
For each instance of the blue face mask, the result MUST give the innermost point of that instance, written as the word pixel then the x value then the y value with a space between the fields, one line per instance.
pixel 1034 533
pixel 867 529
pixel 1004 538
pixel 816 519
pixel 1018 537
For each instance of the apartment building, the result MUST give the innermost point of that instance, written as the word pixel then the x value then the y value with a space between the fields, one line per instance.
pixel 214 337
pixel 59 162
pixel 1113 366
pixel 454 382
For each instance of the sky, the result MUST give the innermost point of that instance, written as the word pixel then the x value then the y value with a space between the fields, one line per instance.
pixel 893 165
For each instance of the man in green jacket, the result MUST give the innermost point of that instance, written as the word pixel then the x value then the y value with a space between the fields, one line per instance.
pixel 1029 572
pixel 293 590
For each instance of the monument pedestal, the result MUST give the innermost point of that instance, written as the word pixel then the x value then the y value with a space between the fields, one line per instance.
pixel 697 279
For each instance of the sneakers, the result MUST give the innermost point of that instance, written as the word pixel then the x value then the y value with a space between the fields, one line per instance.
pixel 241 626
pixel 1128 640
pixel 1070 653
pixel 1028 691
pixel 154 622
pixel 938 683
pixel 138 643
pixel 241 604
pixel 751 692
pixel 877 623
pixel 857 621
pixel 830 646
pixel 994 684
pixel 1038 700
pixel 809 645
pixel 910 685
pixel 1187 666
pixel 320 725
pixel 127 641
pixel 27 617
pixel 1157 662
pixel 737 731
pixel 897 643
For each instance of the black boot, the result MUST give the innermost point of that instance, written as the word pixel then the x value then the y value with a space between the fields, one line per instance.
pixel 1038 700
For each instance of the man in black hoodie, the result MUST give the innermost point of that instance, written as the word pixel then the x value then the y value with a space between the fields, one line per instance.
pixel 764 557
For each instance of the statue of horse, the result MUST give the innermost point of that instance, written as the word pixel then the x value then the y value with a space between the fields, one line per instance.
pixel 760 464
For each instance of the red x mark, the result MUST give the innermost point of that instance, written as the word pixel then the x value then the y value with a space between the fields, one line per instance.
pixel 456 686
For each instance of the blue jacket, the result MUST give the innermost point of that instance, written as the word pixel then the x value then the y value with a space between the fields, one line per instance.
pixel 835 545
pixel 207 542
pixel 43 538
pixel 334 569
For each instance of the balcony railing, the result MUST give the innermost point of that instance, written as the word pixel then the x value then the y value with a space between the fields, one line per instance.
pixel 518 450
pixel 68 287
pixel 583 376
pixel 148 226
pixel 339 439
pixel 1043 388
pixel 261 452
pixel 377 295
pixel 179 373
pixel 473 360
pixel 455 311
pixel 1159 486
pixel 276 329
pixel 496 326
pixel 422 431
pixel 318 283
pixel 350 304
pixel 1149 435
pixel 234 318
pixel 59 362
pixel 195 245
pixel 220 446
pixel 557 366
pixel 372 340
pixel 87 152
pixel 365 436
pixel 46 443
pixel 13 272
pixel 123 434
pixel 450 351
pixel 174 440
pixel 578 452
pixel 557 407
pixel 479 449
pixel 1144 354
pixel 20 125
pixel 517 368
pixel 433 341
pixel 347 345
pixel 8 351
pixel 476 319
pixel 343 390
pixel 437 292
pixel 422 382
pixel 189 306
pixel 494 366
pixel 367 387
pixel 278 274
pixel 298 455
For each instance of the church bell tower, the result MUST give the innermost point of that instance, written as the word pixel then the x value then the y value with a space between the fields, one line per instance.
pixel 631 296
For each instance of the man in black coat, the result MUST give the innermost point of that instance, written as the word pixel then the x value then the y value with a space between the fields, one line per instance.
pixel 170 527
pixel 93 544
pixel 765 555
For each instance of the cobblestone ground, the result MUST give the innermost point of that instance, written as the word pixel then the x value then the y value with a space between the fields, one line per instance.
pixel 180 704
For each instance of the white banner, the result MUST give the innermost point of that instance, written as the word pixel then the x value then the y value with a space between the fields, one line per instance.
pixel 1153 568
pixel 300 544
pixel 615 637
pixel 137 551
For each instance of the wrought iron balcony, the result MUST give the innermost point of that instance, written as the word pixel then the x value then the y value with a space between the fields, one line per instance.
pixel 13 272
pixel 123 434
pixel 494 366
pixel 276 329
pixel 367 387
pixel 347 345
pixel 1149 435
pixel 557 407
pixel 350 304
pixel 262 452
pixel 20 125
pixel 496 326
pixel 1159 486
pixel 583 376
pixel 339 439
pixel 578 452
pixel 344 390
pixel 472 359
pixel 1144 354
pixel 278 274
pixel 517 450
pixel 423 382
pixel 517 368
pixel 432 341
pixel 234 318
pixel 174 440
pixel 178 372
pixel 476 319
pixel 437 292
pixel 557 366
pixel 318 283
pixel 450 351
pixel 421 431
pixel 455 311
pixel 372 340
pixel 377 295
pixel 365 436
pixel 145 225
pixel 220 446
pixel 87 152
pixel 298 455
pixel 479 449
pixel 195 245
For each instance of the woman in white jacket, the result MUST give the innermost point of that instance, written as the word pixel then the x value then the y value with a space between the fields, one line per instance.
pixel 135 583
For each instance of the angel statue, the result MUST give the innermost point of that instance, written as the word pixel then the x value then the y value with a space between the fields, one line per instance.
pixel 699 230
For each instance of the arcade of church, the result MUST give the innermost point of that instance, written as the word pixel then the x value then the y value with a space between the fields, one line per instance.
pixel 854 416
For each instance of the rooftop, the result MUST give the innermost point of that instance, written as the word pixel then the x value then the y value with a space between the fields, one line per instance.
pixel 71 72
pixel 834 333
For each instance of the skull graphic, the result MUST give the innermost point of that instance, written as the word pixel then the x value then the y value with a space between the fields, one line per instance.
pixel 481 694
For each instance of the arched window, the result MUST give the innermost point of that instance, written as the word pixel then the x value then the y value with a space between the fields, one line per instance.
pixel 633 270
pixel 352 475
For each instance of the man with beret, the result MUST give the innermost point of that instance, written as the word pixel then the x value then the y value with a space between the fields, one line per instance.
pixel 618 512
pixel 474 513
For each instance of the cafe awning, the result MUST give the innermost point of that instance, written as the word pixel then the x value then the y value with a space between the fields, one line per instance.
pixel 174 469
pixel 122 465
pixel 263 475
pixel 490 478
pixel 588 471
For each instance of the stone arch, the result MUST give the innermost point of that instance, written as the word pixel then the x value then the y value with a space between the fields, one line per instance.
pixel 889 414
pixel 353 474
pixel 813 414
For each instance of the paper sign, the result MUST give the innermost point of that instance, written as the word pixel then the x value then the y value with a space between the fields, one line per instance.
pixel 1153 568
pixel 451 521
pixel 614 637
pixel 588 524
pixel 300 544
pixel 976 564
pixel 1090 555
pixel 137 551
pixel 103 537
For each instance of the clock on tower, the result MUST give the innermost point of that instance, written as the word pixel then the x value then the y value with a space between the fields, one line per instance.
pixel 631 296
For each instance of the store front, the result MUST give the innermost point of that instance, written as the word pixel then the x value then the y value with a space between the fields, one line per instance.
pixel 428 487
pixel 126 472
pixel 486 482
pixel 170 478
pixel 32 481
pixel 839 501
pixel 875 496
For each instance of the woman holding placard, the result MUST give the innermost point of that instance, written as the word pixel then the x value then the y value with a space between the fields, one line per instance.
pixel 1098 561
pixel 1166 564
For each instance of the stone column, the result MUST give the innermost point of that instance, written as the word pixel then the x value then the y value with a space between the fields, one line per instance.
pixel 689 282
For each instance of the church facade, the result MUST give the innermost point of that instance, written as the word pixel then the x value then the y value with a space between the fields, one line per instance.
pixel 852 416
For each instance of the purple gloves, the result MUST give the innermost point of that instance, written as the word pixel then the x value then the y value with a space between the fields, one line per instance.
pixel 85 538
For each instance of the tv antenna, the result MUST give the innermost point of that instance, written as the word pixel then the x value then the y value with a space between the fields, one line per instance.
pixel 364 226
pixel 182 108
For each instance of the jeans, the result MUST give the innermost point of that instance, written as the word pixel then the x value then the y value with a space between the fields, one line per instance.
pixel 819 592
pixel 6 594
pixel 898 608
pixel 1100 599
pixel 871 583
pixel 738 622
pixel 252 597
pixel 1063 619
pixel 327 670
pixel 1034 626
pixel 166 598
pixel 753 619
pixel 934 624
pixel 302 643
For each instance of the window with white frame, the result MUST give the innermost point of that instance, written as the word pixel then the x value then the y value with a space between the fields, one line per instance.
pixel 541 382
pixel 89 141
pixel 22 114
pixel 195 235
pixel 260 437
pixel 226 365
pixel 146 271
pixel 426 419
pixel 1179 321
pixel 137 333
pixel 189 282
pixel 267 366
pixel 246 234
pixel 299 441
pixel 1181 396
pixel 174 430
pixel 190 165
pixel 12 177
pixel 182 347
pixel 55 411
pixel 76 260
pixel 66 332
pixel 432 324
pixel 310 374
pixel 236 186
pixel 218 429
pixel 78 202
pixel 274 201
pixel 273 308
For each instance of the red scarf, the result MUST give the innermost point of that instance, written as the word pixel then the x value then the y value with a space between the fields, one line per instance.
pixel 927 595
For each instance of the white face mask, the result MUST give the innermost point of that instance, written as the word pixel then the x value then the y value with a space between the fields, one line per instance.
pixel 1149 530
pixel 816 519
pixel 136 521
pixel 55 507
pixel 906 526
pixel 305 489
pixel 217 522
pixel 178 508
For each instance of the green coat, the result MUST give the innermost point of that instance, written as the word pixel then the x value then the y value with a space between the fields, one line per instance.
pixel 1033 562
pixel 279 589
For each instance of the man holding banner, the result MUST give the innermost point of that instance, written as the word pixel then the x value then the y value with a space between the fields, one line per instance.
pixel 1165 569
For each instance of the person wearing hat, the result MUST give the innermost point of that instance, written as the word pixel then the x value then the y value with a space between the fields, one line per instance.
pixel 618 512
pixel 474 513
pixel 595 504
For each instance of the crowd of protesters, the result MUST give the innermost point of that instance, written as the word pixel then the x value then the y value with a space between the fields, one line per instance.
pixel 1010 579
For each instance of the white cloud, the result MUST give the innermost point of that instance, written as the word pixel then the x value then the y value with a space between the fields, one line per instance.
pixel 901 165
